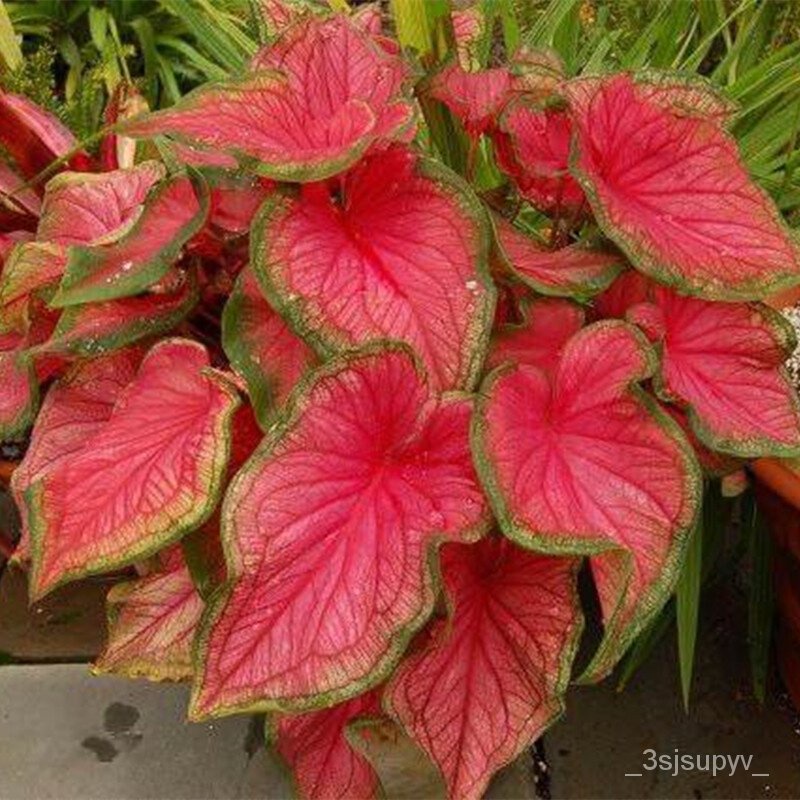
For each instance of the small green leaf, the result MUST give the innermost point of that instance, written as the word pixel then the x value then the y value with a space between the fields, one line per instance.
pixel 98 26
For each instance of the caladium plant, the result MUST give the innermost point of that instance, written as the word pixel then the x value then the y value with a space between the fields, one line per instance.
pixel 347 423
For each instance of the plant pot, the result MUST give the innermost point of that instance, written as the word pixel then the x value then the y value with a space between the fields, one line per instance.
pixel 778 493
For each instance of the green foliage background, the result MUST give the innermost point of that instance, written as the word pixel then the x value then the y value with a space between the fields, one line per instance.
pixel 75 52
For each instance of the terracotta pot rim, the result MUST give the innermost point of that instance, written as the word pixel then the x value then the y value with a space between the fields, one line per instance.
pixel 784 299
pixel 782 480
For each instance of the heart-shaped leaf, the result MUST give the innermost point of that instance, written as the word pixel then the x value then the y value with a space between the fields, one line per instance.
pixel 328 533
pixel 75 408
pixel 20 390
pixel 86 208
pixel 472 35
pixel 725 362
pixel 151 625
pixel 493 677
pixel 476 98
pixel 316 747
pixel 670 189
pixel 532 146
pixel 578 270
pixel 314 102
pixel 150 474
pixel 540 339
pixel 396 249
pixel 261 347
pixel 583 462
pixel 173 213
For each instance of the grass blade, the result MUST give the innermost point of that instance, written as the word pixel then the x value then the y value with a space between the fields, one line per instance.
pixel 687 606
pixel 761 601
pixel 10 52
pixel 644 645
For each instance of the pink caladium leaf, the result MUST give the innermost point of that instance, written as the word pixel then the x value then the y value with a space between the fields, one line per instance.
pixel 329 557
pixel 19 205
pixel 540 339
pixel 175 210
pixel 715 465
pixel 203 158
pixel 19 397
pixel 85 208
pixel 30 268
pixel 397 248
pixel 628 290
pixel 312 105
pixel 671 191
pixel 317 748
pixel 583 462
pixel 476 98
pixel 472 35
pixel 577 270
pixel 94 328
pixel 724 361
pixel 493 677
pixel 32 137
pixel 532 146
pixel 151 625
pixel 369 18
pixel 75 408
pixel 234 202
pixel 153 472
pixel 261 347
pixel 315 49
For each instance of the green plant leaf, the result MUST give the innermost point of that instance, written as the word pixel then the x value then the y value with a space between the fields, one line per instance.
pixel 10 52
pixel 761 602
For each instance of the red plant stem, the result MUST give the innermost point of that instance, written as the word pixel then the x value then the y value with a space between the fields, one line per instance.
pixel 553 244
pixel 575 217
pixel 472 152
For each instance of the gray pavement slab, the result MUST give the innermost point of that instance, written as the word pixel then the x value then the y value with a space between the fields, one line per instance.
pixel 68 735
pixel 604 733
